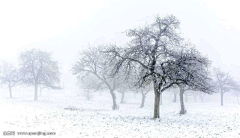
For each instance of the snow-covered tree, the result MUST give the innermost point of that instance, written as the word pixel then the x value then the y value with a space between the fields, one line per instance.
pixel 157 49
pixel 202 95
pixel 144 91
pixel 49 87
pixel 9 76
pixel 89 85
pixel 199 79
pixel 136 86
pixel 122 90
pixel 93 61
pixel 224 82
pixel 174 96
pixel 237 94
pixel 38 68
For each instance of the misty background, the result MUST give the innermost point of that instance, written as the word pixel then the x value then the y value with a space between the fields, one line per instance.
pixel 66 27
pixel 115 90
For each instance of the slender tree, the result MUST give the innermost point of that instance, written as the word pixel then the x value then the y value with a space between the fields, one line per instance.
pixel 202 95
pixel 144 91
pixel 224 82
pixel 237 95
pixel 174 97
pixel 38 68
pixel 89 85
pixel 199 79
pixel 122 90
pixel 42 87
pixel 9 76
pixel 93 61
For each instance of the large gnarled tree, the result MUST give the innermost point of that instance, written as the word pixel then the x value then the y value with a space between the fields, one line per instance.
pixel 156 48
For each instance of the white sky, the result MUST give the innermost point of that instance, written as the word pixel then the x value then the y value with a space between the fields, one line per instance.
pixel 64 27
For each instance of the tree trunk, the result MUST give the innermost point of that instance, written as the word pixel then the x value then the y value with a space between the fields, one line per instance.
pixel 222 98
pixel 156 102
pixel 186 98
pixel 36 91
pixel 10 91
pixel 88 95
pixel 40 90
pixel 201 98
pixel 195 98
pixel 134 95
pixel 174 97
pixel 238 98
pixel 161 100
pixel 122 98
pixel 183 111
pixel 114 107
pixel 143 100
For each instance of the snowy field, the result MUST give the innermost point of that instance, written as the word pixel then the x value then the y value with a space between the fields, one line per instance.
pixel 71 115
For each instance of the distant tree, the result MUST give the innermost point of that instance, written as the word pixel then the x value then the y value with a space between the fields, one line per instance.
pixel 196 91
pixel 174 96
pixel 224 82
pixel 93 61
pixel 89 85
pixel 195 94
pixel 38 68
pixel 9 76
pixel 202 95
pixel 237 94
pixel 136 86
pixel 174 90
pixel 122 90
pixel 42 87
pixel 144 91
pixel 186 97
pixel 156 48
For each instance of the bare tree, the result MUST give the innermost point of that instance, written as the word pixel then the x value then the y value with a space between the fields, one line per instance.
pixel 89 85
pixel 195 96
pixel 237 94
pixel 122 90
pixel 186 97
pixel 143 89
pixel 156 48
pixel 9 76
pixel 38 68
pixel 174 90
pixel 42 87
pixel 196 91
pixel 199 80
pixel 224 82
pixel 93 61
pixel 202 95
pixel 174 97
pixel 136 87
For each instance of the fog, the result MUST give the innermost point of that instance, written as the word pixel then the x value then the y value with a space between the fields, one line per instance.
pixel 66 27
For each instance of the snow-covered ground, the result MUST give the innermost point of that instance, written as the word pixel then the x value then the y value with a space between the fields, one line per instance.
pixel 70 115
